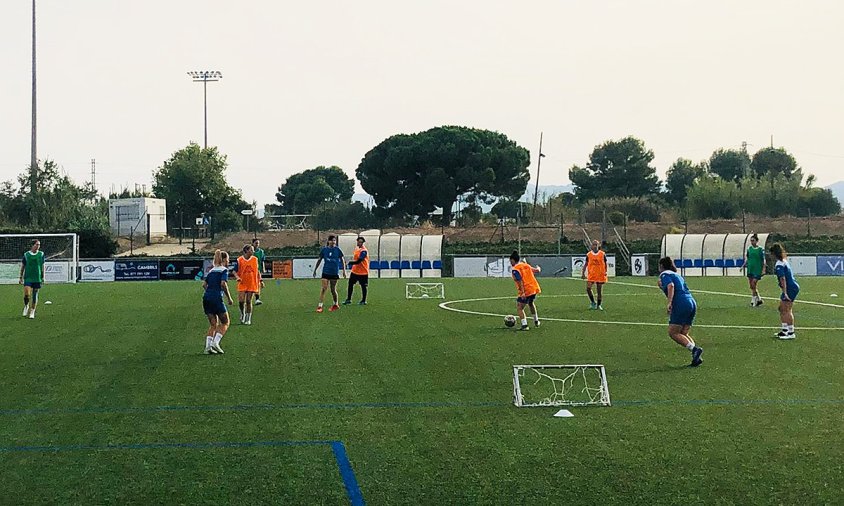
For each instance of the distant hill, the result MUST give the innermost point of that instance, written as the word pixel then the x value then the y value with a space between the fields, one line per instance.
pixel 837 190
pixel 545 192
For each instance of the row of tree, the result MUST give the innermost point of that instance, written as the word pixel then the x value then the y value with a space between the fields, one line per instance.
pixel 409 176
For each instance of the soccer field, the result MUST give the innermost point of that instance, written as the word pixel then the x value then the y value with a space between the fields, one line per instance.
pixel 106 397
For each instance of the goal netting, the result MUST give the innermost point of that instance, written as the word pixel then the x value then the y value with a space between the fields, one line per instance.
pixel 560 385
pixel 61 256
pixel 424 291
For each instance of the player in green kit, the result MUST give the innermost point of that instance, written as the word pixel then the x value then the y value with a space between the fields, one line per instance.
pixel 260 255
pixel 754 263
pixel 32 276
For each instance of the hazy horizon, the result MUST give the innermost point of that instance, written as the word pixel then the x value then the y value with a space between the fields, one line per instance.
pixel 322 83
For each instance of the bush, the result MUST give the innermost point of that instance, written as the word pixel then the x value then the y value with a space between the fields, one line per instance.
pixel 342 215
pixel 635 210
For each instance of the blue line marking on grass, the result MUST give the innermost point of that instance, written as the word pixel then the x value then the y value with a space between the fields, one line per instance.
pixel 244 407
pixel 346 472
pixel 350 482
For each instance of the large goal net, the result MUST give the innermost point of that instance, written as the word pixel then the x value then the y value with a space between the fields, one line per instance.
pixel 424 291
pixel 61 256
pixel 560 385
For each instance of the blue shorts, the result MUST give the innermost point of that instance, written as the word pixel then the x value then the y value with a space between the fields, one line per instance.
pixel 33 285
pixel 683 314
pixel 526 300
pixel 214 306
pixel 792 294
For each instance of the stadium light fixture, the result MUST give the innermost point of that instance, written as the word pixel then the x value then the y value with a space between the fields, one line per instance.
pixel 204 77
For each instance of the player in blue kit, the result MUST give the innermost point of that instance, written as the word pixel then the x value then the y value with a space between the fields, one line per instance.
pixel 790 290
pixel 332 260
pixel 216 286
pixel 681 308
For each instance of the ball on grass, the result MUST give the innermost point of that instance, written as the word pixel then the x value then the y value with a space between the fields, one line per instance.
pixel 424 295
pixel 510 320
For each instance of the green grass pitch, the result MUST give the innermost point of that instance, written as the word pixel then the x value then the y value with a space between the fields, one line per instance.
pixel 105 397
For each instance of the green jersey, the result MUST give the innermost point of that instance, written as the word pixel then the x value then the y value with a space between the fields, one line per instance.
pixel 755 261
pixel 259 253
pixel 33 267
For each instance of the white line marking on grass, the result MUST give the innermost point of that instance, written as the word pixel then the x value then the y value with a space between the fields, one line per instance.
pixel 798 301
pixel 447 306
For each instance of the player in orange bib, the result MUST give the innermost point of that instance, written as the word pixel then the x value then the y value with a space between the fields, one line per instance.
pixel 248 276
pixel 595 272
pixel 527 287
pixel 360 272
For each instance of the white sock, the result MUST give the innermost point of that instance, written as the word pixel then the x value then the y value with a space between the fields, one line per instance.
pixel 320 304
pixel 209 340
pixel 785 327
pixel 524 322
pixel 216 338
pixel 690 346
pixel 791 329
pixel 535 317
pixel 249 317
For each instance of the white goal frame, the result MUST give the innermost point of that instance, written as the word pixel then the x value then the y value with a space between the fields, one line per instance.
pixel 428 291
pixel 600 398
pixel 71 261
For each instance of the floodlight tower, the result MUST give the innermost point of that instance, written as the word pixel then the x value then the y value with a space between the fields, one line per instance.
pixel 204 77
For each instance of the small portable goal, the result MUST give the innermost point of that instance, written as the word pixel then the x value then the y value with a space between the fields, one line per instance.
pixel 560 385
pixel 424 291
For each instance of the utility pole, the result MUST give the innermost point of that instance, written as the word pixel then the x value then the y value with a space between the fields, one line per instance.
pixel 538 166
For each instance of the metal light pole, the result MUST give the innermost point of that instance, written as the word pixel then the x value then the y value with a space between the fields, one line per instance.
pixel 33 154
pixel 204 77
pixel 538 166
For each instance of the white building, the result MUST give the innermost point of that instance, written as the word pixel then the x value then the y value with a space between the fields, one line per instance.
pixel 128 216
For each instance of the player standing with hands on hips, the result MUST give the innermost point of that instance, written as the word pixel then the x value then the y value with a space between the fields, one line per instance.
pixel 527 288
pixel 682 308
pixel 595 272
pixel 333 260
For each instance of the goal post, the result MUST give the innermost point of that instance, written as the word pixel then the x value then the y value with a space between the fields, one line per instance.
pixel 61 256
pixel 560 385
pixel 424 291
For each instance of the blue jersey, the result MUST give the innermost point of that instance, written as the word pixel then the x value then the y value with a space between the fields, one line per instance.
pixel 214 280
pixel 331 258
pixel 783 270
pixel 682 295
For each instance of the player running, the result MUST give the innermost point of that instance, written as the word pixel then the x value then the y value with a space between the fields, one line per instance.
pixel 754 263
pixel 248 282
pixel 681 308
pixel 32 277
pixel 790 289
pixel 261 255
pixel 333 258
pixel 215 286
pixel 360 272
pixel 527 288
pixel 595 272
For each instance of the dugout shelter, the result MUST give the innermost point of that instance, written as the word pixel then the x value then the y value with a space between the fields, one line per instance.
pixel 708 254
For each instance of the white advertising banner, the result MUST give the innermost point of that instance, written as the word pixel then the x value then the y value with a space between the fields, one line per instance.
pixel 471 267
pixel 57 272
pixel 97 270
pixel 577 264
pixel 639 265
pixel 804 266
pixel 10 273
pixel 303 268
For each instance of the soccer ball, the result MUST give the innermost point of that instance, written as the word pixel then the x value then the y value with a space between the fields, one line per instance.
pixel 424 295
pixel 510 320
